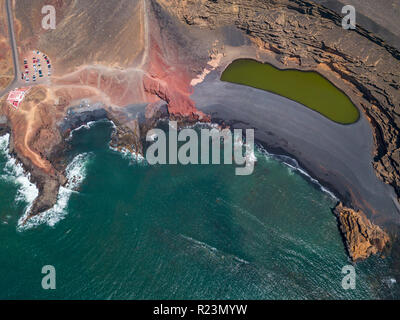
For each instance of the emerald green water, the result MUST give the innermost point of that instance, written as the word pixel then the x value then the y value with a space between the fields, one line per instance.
pixel 134 231
pixel 308 88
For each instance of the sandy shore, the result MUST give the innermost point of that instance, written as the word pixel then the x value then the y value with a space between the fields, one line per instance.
pixel 338 156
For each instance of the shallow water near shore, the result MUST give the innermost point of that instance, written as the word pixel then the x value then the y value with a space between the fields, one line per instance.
pixel 134 231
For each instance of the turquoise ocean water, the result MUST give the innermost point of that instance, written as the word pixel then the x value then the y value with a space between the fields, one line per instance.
pixel 134 231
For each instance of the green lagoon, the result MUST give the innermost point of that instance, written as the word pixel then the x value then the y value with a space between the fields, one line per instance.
pixel 308 88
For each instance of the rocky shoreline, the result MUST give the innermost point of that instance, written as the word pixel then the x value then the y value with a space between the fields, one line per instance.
pixel 295 34
pixel 48 185
pixel 306 36
pixel 361 242
pixel 129 134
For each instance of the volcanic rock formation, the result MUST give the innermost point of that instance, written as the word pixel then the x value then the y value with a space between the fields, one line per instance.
pixel 361 236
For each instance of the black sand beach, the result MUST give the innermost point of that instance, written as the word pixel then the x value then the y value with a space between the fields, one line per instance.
pixel 338 156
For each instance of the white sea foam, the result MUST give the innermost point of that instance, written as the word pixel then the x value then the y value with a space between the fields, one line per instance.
pixel 15 173
pixel 113 124
pixel 200 244
pixel 135 156
pixel 241 260
pixel 212 250
pixel 203 125
pixel 84 126
pixel 250 155
pixel 390 282
pixel 75 173
pixel 293 165
pixel 132 156
pixel 4 142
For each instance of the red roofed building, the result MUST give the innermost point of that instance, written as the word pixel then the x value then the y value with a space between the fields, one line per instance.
pixel 16 96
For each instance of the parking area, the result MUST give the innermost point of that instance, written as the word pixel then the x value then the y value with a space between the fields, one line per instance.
pixel 36 66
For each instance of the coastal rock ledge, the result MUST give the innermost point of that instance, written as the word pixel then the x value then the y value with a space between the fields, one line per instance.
pixel 362 238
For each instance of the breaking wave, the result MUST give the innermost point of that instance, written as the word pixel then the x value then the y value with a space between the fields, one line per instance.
pixel 15 173
pixel 84 126
pixel 4 142
pixel 212 250
pixel 249 155
pixel 133 157
pixel 292 164
pixel 75 173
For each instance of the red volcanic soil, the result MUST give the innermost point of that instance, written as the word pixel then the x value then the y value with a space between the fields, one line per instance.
pixel 168 74
pixel 162 73
pixel 170 84
pixel 159 78
pixel 105 54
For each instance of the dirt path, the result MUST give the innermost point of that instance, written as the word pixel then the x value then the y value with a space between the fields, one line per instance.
pixel 14 49
pixel 146 35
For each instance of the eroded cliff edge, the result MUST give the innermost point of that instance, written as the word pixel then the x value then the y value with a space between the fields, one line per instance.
pixel 306 36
